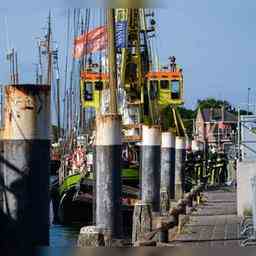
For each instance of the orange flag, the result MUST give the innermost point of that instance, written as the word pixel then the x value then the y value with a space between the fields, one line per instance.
pixel 94 40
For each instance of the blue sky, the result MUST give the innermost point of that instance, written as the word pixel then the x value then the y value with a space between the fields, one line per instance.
pixel 214 41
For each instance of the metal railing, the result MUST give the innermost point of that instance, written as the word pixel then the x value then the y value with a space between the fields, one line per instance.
pixel 247 137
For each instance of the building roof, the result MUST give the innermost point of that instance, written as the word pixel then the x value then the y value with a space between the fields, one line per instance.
pixel 215 114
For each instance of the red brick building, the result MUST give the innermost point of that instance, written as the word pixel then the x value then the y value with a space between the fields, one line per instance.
pixel 215 127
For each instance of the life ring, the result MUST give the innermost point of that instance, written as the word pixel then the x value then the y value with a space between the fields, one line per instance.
pixel 78 158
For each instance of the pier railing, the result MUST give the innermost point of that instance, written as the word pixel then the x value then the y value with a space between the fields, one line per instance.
pixel 247 137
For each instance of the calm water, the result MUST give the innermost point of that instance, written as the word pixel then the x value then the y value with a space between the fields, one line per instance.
pixel 63 236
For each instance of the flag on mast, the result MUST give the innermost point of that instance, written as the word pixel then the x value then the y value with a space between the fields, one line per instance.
pixel 96 40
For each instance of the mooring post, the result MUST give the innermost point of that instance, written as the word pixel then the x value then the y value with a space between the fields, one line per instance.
pixel 151 141
pixel 150 183
pixel 108 173
pixel 26 165
pixel 167 171
pixel 180 156
pixel 108 193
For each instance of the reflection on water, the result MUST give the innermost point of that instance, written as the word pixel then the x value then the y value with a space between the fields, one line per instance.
pixel 64 236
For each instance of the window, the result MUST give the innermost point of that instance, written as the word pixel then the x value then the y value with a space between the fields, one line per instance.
pixel 164 84
pixel 88 91
pixel 153 89
pixel 175 89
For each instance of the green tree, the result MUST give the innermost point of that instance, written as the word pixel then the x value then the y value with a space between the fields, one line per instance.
pixel 213 103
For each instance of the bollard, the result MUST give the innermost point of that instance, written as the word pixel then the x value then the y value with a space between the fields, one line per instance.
pixel 151 166
pixel 167 170
pixel 180 155
pixel 108 174
pixel 26 165
pixel 163 236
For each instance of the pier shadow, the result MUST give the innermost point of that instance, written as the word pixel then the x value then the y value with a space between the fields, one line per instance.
pixel 9 234
pixel 16 211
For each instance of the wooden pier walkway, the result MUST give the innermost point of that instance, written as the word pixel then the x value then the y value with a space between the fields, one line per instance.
pixel 214 223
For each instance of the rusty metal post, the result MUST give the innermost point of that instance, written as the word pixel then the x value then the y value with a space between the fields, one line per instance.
pixel 26 165
pixel 150 166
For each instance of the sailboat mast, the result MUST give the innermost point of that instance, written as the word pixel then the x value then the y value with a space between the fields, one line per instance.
pixel 16 68
pixel 112 60
pixel 49 51
pixel 40 70
pixel 56 63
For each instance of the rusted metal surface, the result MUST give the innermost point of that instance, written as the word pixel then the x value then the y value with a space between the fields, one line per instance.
pixel 108 130
pixel 27 112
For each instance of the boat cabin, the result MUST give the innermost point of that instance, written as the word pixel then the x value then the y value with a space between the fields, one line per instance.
pixel 167 86
pixel 92 84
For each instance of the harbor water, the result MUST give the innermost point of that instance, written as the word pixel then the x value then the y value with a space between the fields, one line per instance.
pixel 63 236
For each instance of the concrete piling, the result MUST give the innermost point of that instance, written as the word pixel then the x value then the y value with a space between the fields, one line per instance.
pixel 151 136
pixel 150 183
pixel 108 174
pixel 26 165
pixel 142 221
pixel 167 170
pixel 180 156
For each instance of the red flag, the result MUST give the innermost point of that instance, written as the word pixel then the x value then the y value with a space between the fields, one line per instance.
pixel 93 41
